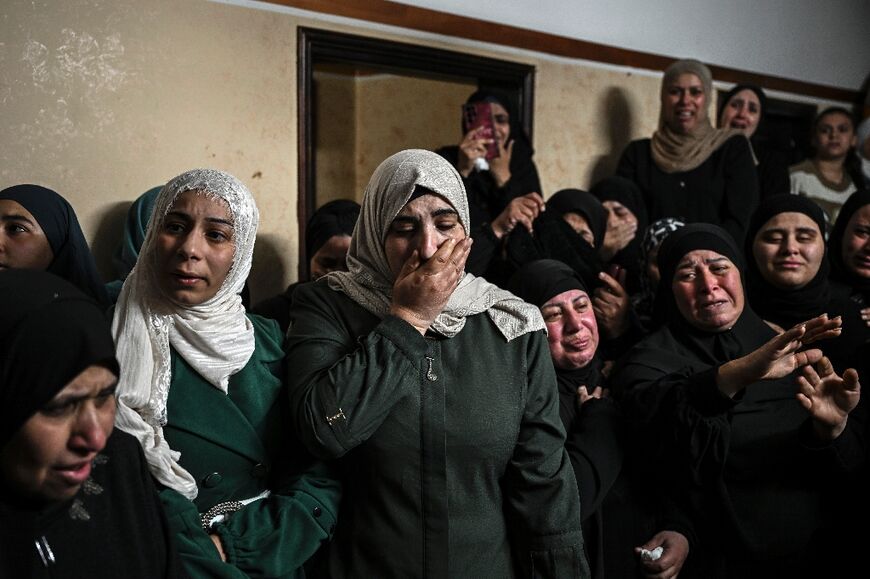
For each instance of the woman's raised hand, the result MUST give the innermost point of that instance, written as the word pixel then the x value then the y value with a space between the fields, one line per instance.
pixel 828 397
pixel 779 357
pixel 500 167
pixel 821 328
pixel 422 288
pixel 472 147
pixel 520 211
pixel 612 305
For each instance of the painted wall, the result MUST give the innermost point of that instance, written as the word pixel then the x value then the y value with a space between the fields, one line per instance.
pixel 335 137
pixel 360 120
pixel 821 42
pixel 103 100
pixel 397 113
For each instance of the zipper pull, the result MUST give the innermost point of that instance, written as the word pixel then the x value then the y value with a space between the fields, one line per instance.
pixel 45 552
pixel 430 375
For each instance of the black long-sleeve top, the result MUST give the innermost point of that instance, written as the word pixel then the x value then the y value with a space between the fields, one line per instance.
pixel 486 200
pixel 758 482
pixel 722 190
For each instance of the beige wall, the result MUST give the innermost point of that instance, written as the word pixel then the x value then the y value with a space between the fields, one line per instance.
pixel 397 113
pixel 335 137
pixel 360 120
pixel 103 100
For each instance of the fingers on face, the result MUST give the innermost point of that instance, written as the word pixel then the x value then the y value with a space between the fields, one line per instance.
pixel 412 262
pixel 458 254
pixel 613 285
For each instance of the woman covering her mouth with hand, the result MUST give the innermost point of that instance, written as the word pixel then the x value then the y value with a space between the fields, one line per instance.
pixel 435 392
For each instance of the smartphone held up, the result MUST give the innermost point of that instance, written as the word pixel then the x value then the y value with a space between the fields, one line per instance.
pixel 479 116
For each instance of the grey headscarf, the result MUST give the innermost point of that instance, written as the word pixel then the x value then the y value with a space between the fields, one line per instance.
pixel 369 280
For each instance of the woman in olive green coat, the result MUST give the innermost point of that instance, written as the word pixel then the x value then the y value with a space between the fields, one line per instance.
pixel 436 391
pixel 203 391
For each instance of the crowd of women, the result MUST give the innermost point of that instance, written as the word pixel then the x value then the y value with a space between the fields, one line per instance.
pixel 657 377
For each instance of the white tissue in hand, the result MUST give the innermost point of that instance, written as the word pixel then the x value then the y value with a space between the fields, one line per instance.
pixel 481 164
pixel 653 555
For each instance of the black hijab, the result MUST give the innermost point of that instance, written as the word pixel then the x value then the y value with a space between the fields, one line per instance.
pixel 49 333
pixel 538 282
pixel 785 307
pixel 334 218
pixel 839 271
pixel 762 99
pixel 712 348
pixel 584 203
pixel 553 239
pixel 73 260
pixel 626 192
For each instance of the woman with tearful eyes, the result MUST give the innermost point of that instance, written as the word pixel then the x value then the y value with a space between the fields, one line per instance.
pixel 619 517
pixel 77 499
pixel 203 391
pixel 582 247
pixel 849 248
pixel 743 108
pixel 688 169
pixel 754 433
pixel 788 275
pixel 39 230
pixel 435 392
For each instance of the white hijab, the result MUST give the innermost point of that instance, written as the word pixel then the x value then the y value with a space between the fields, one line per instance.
pixel 369 281
pixel 214 337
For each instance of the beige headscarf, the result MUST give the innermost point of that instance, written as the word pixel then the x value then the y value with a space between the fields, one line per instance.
pixel 369 281
pixel 215 337
pixel 676 153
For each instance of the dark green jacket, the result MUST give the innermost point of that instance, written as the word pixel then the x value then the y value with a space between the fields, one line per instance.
pixel 451 449
pixel 236 446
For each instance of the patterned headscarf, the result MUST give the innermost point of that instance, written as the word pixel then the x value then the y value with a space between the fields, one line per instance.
pixel 215 337
pixel 369 280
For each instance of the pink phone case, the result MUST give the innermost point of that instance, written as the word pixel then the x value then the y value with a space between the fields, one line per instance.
pixel 476 115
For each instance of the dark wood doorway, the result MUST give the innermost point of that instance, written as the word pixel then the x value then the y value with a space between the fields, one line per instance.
pixel 337 50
